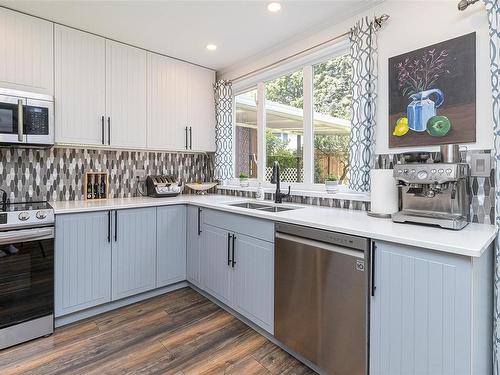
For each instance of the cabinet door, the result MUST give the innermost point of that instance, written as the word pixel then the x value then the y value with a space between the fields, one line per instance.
pixel 201 109
pixel 170 245
pixel 215 271
pixel 252 292
pixel 82 261
pixel 420 313
pixel 134 251
pixel 79 86
pixel 194 239
pixel 167 103
pixel 27 58
pixel 125 95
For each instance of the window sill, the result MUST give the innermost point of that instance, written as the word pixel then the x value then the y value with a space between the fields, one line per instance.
pixel 343 192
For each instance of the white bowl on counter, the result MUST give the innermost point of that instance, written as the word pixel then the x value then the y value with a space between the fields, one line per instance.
pixel 201 188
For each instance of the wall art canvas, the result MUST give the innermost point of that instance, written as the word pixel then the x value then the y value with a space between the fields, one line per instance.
pixel 432 94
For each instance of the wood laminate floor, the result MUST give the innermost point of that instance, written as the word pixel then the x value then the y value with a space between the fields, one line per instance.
pixel 181 332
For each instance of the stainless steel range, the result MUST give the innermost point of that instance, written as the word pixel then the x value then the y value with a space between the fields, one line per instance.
pixel 26 272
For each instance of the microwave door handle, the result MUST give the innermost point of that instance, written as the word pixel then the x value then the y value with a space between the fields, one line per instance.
pixel 20 120
pixel 16 236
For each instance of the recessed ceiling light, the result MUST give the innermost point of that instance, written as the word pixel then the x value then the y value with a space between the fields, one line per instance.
pixel 273 7
pixel 211 47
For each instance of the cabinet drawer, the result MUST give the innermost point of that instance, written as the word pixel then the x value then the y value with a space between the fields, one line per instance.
pixel 258 228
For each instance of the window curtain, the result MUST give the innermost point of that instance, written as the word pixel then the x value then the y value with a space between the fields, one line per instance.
pixel 364 95
pixel 223 130
pixel 493 9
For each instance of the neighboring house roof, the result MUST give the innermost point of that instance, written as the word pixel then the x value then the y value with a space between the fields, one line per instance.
pixel 287 119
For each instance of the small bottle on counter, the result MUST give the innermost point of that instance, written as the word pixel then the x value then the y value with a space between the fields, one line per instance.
pixel 259 195
pixel 90 187
pixel 95 180
pixel 103 186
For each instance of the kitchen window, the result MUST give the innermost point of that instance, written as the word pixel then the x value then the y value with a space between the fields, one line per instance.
pixel 246 134
pixel 332 99
pixel 301 118
pixel 285 126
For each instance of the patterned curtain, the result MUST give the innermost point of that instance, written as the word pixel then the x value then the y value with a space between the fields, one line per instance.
pixel 363 40
pixel 493 8
pixel 223 130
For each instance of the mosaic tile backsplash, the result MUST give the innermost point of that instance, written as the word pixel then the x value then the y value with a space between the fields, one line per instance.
pixel 58 173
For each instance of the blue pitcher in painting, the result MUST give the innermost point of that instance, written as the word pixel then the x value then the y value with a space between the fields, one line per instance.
pixel 421 109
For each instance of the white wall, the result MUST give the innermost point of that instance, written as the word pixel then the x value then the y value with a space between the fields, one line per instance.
pixel 413 24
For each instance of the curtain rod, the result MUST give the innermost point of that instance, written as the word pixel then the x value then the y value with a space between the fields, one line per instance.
pixel 378 24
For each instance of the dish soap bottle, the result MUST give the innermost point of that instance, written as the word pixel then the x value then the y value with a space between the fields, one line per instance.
pixel 259 195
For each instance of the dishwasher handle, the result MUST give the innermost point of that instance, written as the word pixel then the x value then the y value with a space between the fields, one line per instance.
pixel 322 245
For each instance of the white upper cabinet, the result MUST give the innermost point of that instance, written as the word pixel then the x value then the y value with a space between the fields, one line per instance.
pixel 27 58
pixel 167 103
pixel 79 87
pixel 201 109
pixel 125 95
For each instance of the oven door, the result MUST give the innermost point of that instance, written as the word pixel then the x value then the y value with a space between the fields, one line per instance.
pixel 26 275
pixel 11 117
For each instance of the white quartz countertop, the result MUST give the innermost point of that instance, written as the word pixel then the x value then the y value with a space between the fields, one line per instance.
pixel 471 241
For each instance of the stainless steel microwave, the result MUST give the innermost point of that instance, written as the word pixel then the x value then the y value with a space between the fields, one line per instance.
pixel 26 119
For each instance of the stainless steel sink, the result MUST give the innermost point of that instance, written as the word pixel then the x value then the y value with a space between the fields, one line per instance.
pixel 278 209
pixel 253 206
pixel 263 207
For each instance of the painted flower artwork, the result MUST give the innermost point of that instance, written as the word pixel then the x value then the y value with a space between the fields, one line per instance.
pixel 432 94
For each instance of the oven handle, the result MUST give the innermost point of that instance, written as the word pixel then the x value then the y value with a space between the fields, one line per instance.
pixel 20 121
pixel 36 234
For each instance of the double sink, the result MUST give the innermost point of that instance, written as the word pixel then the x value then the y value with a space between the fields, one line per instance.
pixel 263 207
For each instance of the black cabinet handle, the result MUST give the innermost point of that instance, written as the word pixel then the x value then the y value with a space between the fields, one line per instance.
pixel 372 268
pixel 199 221
pixel 233 262
pixel 186 140
pixel 109 130
pixel 102 129
pixel 116 226
pixel 109 226
pixel 229 249
pixel 190 138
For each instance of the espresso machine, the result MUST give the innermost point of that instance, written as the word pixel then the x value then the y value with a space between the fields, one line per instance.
pixel 433 193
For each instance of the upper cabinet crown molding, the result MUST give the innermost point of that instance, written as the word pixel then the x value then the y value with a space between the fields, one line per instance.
pixel 27 60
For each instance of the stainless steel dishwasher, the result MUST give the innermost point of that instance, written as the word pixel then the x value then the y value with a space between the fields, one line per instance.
pixel 321 297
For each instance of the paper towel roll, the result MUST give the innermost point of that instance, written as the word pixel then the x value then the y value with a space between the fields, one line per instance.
pixel 384 192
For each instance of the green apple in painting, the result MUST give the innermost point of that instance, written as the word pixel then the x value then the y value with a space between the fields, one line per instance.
pixel 438 126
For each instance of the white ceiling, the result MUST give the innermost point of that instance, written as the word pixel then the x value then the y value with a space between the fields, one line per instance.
pixel 182 29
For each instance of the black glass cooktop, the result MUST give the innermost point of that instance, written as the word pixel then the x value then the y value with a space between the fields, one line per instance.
pixel 26 206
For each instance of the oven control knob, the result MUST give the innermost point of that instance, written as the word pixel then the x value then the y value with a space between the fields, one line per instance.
pixel 422 175
pixel 41 215
pixel 23 216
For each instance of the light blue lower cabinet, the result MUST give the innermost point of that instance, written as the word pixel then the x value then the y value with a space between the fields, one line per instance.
pixel 134 252
pixel 430 312
pixel 239 273
pixel 170 245
pixel 82 262
pixel 252 284
pixel 215 268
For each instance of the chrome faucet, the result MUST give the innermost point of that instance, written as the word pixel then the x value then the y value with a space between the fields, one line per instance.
pixel 275 179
